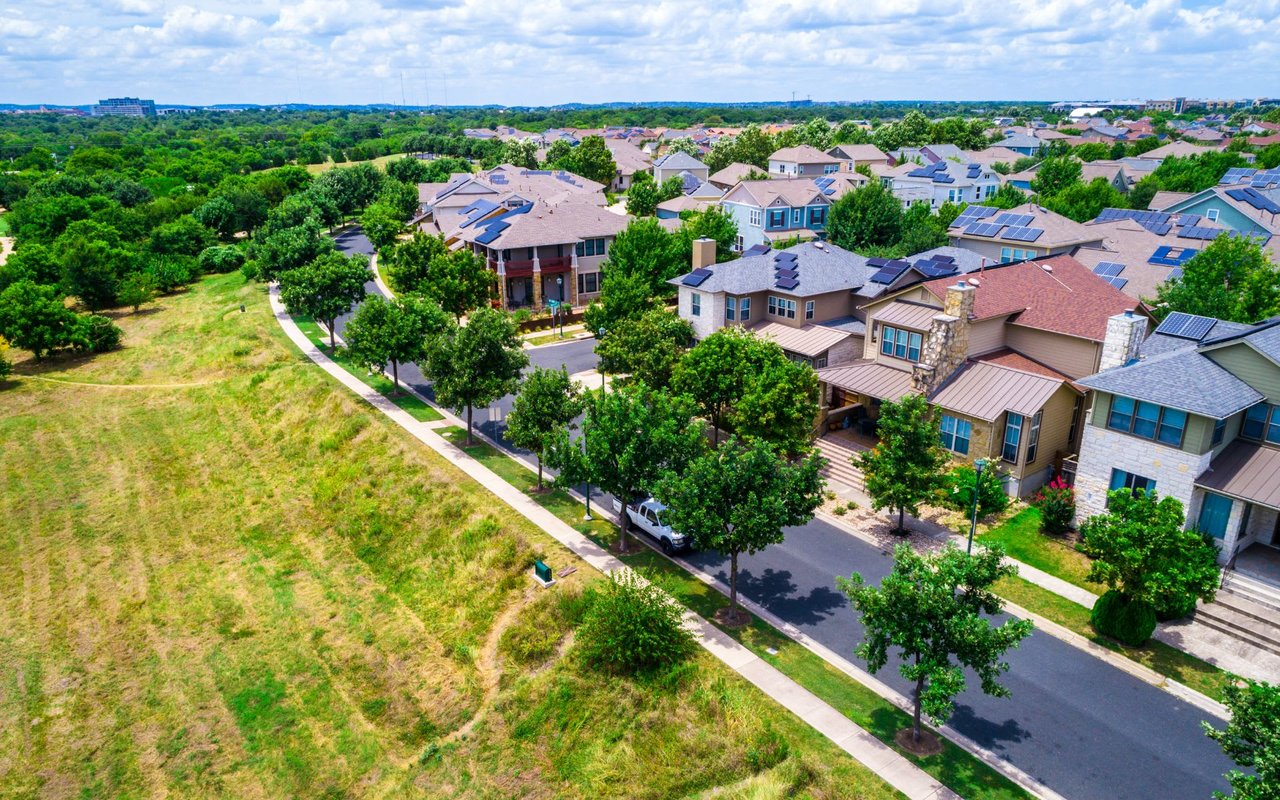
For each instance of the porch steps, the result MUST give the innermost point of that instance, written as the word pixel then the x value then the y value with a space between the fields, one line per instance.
pixel 840 469
pixel 1240 612
pixel 1250 588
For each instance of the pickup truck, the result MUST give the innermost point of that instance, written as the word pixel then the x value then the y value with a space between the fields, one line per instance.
pixel 647 516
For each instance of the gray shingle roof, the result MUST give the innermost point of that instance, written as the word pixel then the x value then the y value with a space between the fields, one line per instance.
pixel 679 160
pixel 824 270
pixel 1183 379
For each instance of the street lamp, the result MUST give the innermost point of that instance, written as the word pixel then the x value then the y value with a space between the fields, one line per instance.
pixel 587 517
pixel 978 466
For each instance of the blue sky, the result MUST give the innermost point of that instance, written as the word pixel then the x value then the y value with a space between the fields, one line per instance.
pixel 543 52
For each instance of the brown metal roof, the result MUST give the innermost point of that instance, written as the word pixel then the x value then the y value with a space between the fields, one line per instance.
pixel 808 340
pixel 870 378
pixel 985 391
pixel 1247 471
pixel 908 315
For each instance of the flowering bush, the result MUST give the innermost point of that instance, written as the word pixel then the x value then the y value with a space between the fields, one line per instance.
pixel 1057 504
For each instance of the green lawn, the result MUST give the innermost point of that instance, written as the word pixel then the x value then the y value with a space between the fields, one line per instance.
pixel 955 767
pixel 227 576
pixel 4 225
pixel 1021 537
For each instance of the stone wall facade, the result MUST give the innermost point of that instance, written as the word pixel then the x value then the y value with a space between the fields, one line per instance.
pixel 1102 450
pixel 947 344
pixel 1124 336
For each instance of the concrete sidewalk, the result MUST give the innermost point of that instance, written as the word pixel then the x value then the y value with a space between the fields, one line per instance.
pixel 892 767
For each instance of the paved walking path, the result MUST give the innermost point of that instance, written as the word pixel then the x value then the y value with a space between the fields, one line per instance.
pixel 892 767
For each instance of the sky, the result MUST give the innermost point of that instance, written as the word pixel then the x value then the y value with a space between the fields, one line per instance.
pixel 546 52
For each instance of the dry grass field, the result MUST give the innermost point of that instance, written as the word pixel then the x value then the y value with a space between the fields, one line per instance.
pixel 223 576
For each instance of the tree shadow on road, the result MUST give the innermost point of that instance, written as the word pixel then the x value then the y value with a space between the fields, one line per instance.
pixel 985 732
pixel 775 590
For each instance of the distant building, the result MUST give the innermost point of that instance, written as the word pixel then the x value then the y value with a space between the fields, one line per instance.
pixel 125 107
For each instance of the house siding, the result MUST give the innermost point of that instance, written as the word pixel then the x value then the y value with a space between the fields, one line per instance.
pixel 845 352
pixel 1055 432
pixel 986 336
pixel 1070 355
pixel 1251 367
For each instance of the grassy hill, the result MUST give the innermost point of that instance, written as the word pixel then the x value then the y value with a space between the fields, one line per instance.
pixel 225 577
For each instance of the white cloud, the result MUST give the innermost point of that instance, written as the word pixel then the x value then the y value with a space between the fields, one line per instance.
pixel 494 51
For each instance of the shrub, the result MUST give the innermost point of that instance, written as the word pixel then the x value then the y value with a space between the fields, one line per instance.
pixel 5 366
pixel 1123 618
pixel 956 492
pixel 1057 504
pixel 631 626
pixel 839 511
pixel 226 258
pixel 250 270
pixel 538 631
pixel 97 334
pixel 171 272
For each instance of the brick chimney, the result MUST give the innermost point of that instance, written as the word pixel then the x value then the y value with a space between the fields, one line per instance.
pixel 704 252
pixel 1125 333
pixel 947 344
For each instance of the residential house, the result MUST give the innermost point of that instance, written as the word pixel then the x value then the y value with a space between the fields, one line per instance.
pixel 1022 144
pixel 802 161
pixel 443 206
pixel 1191 413
pixel 1108 134
pixel 927 154
pixel 1110 171
pixel 541 251
pixel 1028 231
pixel 851 156
pixel 943 181
pixel 1206 135
pixel 673 164
pixel 997 354
pixel 767 211
pixel 1179 148
pixel 1141 250
pixel 629 160
pixel 993 155
pixel 699 198
pixel 1251 210
pixel 731 175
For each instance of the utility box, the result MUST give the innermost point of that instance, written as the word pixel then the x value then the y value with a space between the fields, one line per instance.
pixel 542 573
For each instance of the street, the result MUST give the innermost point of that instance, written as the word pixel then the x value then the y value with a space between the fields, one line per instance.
pixel 1084 728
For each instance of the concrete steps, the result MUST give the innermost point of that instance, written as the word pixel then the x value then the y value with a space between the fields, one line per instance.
pixel 840 468
pixel 1246 612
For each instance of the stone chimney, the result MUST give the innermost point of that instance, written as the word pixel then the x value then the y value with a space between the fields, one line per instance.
pixel 946 346
pixel 1125 333
pixel 704 252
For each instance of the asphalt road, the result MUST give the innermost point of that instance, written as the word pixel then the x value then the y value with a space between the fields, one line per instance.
pixel 1084 728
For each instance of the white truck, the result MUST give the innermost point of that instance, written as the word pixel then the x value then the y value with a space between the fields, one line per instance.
pixel 647 516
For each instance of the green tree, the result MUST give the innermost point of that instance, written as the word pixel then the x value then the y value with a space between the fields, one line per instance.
pixel 737 499
pixel 393 332
pixel 382 224
pixel 290 248
pixel 546 404
pixel 408 264
pixel 642 197
pixel 1084 201
pixel 137 289
pixel 326 288
pixel 904 469
pixel 1231 279
pixel 1251 739
pixel 520 154
pixel 592 160
pixel 646 348
pixel 408 170
pixel 6 366
pixel 713 223
pixel 644 249
pixel 1007 196
pixel 34 318
pixel 1142 552
pixel 1091 151
pixel 921 229
pixel 1055 175
pixel 869 216
pixel 477 363
pixel 460 281
pixel 684 145
pixel 631 436
pixel 779 402
pixel 1141 193
pixel 92 269
pixel 34 262
pixel 632 626
pixel 623 297
pixel 559 153
pixel 934 610
pixel 182 237
pixel 1195 173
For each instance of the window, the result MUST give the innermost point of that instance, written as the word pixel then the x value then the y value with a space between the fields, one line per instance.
pixel 737 244
pixel 1006 255
pixel 744 309
pixel 956 434
pixel 955 195
pixel 820 362
pixel 808 309
pixel 797 217
pixel 730 308
pixel 1219 431
pixel 695 304
pixel 1134 483
pixel 827 169
pixel 753 217
pixel 1148 420
pixel 899 343
pixel 1215 510
pixel 1262 422
pixel 588 282
pixel 1075 421
pixel 777 219
pixel 1012 437
pixel 782 307
pixel 818 216
pixel 1033 438
pixel 590 247
pixel 1211 215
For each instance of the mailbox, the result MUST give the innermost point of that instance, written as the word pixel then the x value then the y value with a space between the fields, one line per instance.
pixel 543 572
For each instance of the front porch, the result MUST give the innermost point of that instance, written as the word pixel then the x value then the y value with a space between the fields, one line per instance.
pixel 1260 562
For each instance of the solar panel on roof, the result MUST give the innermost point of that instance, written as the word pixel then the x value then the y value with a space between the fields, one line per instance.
pixel 890 272
pixel 786 273
pixel 947 259
pixel 1119 283
pixel 877 262
pixel 1108 269
pixel 787 283
pixel 1188 219
pixel 1196 232
pixel 1016 220
pixel 934 269
pixel 1186 326
pixel 1159 229
pixel 756 250
pixel 983 229
pixel 942 177
pixel 489 235
pixel 1023 234
pixel 696 277
pixel 1175 274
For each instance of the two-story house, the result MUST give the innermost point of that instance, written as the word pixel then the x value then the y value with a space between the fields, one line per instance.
pixel 852 156
pixel 1247 209
pixel 1191 412
pixel 541 252
pixel 629 160
pixel 1021 143
pixel 672 164
pixel 1141 250
pixel 1027 231
pixel 444 206
pixel 802 161
pixel 997 353
pixel 784 208
pixel 943 181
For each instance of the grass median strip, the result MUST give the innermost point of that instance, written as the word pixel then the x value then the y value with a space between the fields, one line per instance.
pixel 955 767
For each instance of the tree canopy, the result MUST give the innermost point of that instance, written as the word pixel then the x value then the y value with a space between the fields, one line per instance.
pixel 545 406
pixel 326 288
pixel 869 216
pixel 393 332
pixel 905 467
pixel 1251 739
pixel 1231 279
pixel 477 363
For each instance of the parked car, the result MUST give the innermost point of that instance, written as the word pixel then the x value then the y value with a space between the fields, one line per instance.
pixel 647 516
